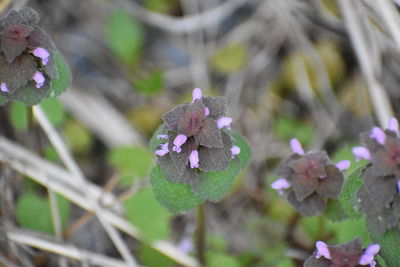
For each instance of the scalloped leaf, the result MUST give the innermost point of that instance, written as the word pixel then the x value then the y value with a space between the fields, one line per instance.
pixel 34 213
pixel 64 79
pixel 145 212
pixel 177 198
pixel 214 186
pixel 349 194
pixel 390 244
pixel 245 150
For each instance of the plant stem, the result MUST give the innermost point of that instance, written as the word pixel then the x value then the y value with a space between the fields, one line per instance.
pixel 201 234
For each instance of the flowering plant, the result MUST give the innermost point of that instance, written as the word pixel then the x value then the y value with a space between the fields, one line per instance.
pixel 196 147
pixel 29 61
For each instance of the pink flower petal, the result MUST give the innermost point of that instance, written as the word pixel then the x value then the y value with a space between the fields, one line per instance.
pixel 343 165
pixel 394 125
pixel 296 146
pixel 3 87
pixel 361 152
pixel 194 159
pixel 224 122
pixel 378 134
pixel 197 94
pixel 322 250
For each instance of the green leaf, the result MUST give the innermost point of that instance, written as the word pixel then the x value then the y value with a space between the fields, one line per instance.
pixel 219 259
pixel 124 36
pixel 34 213
pixel 334 211
pixel 54 110
pixel 63 82
pixel 150 257
pixel 230 58
pixel 143 210
pixel 245 150
pixel 214 185
pixel 176 197
pixel 19 116
pixel 151 84
pixel 287 128
pixel 390 244
pixel 349 192
pixel 134 160
pixel 154 142
pixel 77 136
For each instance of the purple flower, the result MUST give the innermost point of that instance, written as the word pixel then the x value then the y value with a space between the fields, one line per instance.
pixel 350 255
pixel 178 142
pixel 41 53
pixel 322 250
pixel 280 185
pixel 224 122
pixel 39 79
pixel 361 152
pixel 163 150
pixel 3 87
pixel 309 179
pixel 235 150
pixel 198 139
pixel 296 146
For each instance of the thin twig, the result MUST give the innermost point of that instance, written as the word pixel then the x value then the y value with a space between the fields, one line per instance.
pixel 206 20
pixel 73 167
pixel 201 234
pixel 62 182
pixel 378 96
pixel 43 242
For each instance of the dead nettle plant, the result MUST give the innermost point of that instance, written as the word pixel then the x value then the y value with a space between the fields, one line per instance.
pixel 314 185
pixel 198 157
pixel 31 68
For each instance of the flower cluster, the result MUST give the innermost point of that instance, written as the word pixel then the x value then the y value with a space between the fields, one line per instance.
pixel 196 138
pixel 25 56
pixel 309 179
pixel 379 197
pixel 350 254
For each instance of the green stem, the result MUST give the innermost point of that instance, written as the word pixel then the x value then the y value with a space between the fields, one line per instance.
pixel 201 234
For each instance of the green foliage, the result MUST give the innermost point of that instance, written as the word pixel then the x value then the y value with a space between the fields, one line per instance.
pixel 349 192
pixel 19 116
pixel 287 128
pixel 132 161
pixel 390 244
pixel 211 186
pixel 214 185
pixel 143 210
pixel 230 58
pixel 64 80
pixel 334 211
pixel 124 36
pixel 152 258
pixel 177 198
pixel 219 259
pixel 34 213
pixel 154 142
pixel 245 150
pixel 54 110
pixel 151 84
pixel 77 136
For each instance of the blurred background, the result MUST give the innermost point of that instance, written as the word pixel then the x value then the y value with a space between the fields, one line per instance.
pixel 321 71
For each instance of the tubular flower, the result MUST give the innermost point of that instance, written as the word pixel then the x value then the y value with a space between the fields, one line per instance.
pixel 350 254
pixel 197 139
pixel 379 195
pixel 309 179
